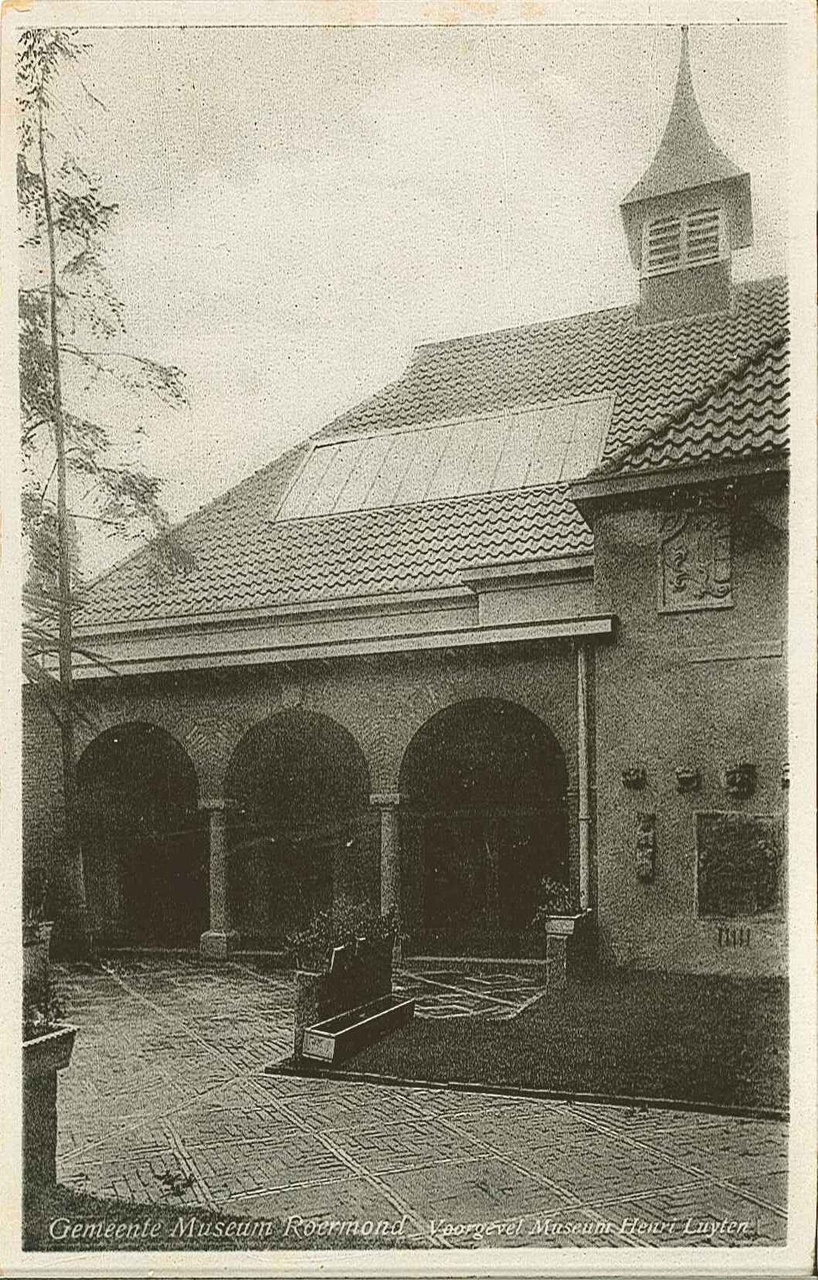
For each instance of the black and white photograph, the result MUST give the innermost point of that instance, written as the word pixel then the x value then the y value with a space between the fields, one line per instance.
pixel 408 533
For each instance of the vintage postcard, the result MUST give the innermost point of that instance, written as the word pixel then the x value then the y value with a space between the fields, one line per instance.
pixel 408 526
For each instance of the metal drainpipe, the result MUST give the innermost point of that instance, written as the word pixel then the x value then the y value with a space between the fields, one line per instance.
pixel 584 814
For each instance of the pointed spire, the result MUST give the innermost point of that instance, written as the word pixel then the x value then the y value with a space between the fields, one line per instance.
pixel 687 156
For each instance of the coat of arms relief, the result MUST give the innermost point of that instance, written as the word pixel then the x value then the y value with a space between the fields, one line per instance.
pixel 695 563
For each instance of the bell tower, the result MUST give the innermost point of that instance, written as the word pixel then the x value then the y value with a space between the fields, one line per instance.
pixel 687 215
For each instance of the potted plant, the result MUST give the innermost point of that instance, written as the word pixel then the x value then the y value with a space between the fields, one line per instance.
pixel 560 930
pixel 557 911
pixel 357 928
pixel 48 1042
pixel 36 935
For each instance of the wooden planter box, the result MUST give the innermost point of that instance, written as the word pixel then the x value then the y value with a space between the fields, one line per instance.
pixel 43 1058
pixel 355 978
pixel 337 1038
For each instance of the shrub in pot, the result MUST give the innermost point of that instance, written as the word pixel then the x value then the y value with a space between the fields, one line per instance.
pixel 560 929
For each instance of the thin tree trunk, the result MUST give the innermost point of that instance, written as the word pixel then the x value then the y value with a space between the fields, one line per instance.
pixel 74 922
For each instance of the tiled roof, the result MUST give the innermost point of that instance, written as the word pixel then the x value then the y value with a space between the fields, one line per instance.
pixel 244 559
pixel 745 415
pixel 650 369
pixel 410 548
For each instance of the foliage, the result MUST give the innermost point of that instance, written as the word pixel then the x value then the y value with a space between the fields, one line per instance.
pixel 344 926
pixel 554 898
pixel 42 1012
pixel 73 361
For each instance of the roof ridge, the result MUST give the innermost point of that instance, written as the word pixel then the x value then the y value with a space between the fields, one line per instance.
pixel 693 403
pixel 740 287
pixel 480 334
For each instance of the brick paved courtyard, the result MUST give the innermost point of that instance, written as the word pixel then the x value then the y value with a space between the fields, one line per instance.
pixel 166 1101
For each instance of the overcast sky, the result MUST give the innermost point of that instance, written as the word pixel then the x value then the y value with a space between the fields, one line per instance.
pixel 301 206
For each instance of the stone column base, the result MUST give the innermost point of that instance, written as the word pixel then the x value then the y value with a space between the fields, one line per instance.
pixel 217 944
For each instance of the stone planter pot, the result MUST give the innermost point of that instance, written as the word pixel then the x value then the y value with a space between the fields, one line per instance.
pixel 43 1058
pixel 568 946
pixel 36 955
pixel 563 926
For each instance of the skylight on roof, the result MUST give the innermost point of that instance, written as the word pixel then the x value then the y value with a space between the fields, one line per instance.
pixel 489 453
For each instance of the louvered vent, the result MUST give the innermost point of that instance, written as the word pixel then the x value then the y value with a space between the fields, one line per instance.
pixel 663 251
pixel 703 236
pixel 690 241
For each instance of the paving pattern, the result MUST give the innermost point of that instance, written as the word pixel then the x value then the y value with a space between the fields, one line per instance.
pixel 166 1101
pixel 453 993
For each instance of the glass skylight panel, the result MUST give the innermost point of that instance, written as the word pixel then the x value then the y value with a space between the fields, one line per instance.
pixel 429 449
pixel 515 460
pixel 305 491
pixel 490 453
pixel 394 467
pixel 546 465
pixel 354 495
pixel 452 476
pixel 339 471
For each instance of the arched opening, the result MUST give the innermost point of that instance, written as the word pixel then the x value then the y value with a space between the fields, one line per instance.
pixel 485 821
pixel 301 833
pixel 143 839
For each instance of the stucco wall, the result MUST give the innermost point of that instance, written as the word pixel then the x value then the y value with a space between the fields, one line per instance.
pixel 692 689
pixel 698 690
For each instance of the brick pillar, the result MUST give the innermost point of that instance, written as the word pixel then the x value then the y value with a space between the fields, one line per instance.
pixel 220 939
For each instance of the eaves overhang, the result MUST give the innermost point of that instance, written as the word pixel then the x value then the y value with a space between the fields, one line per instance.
pixel 152 655
pixel 601 490
pixel 528 573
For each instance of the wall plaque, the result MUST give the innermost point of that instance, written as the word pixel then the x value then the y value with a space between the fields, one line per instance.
pixel 646 847
pixel 695 565
pixel 739 864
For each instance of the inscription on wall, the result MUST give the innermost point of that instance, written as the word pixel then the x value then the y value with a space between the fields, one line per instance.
pixel 731 937
pixel 739 865
pixel 695 563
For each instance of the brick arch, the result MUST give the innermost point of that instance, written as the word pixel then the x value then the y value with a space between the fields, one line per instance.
pixel 485 817
pixel 211 738
pixel 301 833
pixel 142 836
pixel 453 688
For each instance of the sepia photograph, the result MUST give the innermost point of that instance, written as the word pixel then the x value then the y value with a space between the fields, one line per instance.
pixel 406 830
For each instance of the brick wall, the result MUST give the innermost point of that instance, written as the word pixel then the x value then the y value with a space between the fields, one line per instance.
pixel 381 701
